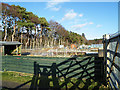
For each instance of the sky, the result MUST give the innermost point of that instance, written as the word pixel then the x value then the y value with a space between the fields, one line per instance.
pixel 94 19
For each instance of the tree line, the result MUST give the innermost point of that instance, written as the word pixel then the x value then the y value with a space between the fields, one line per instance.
pixel 33 31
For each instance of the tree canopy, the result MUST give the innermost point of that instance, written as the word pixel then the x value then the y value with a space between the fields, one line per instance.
pixel 24 26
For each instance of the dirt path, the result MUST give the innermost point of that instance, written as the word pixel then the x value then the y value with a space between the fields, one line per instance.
pixel 11 85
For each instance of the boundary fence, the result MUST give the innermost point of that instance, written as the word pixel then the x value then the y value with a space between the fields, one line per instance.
pixel 112 60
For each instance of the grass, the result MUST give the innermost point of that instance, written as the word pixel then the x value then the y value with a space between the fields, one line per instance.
pixel 16 77
pixel 24 77
pixel 26 64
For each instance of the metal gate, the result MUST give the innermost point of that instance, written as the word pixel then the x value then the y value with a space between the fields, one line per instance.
pixel 112 60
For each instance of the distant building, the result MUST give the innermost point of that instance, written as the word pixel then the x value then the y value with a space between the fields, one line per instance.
pixel 97 41
pixel 10 48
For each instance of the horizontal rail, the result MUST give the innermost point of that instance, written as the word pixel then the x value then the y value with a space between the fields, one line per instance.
pixel 44 66
pixel 110 84
pixel 115 38
pixel 114 83
pixel 77 63
pixel 71 60
pixel 114 64
pixel 116 54
pixel 81 72
pixel 116 78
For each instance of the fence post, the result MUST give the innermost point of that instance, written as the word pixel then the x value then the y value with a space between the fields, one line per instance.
pixel 35 77
pixel 35 68
pixel 105 59
pixel 105 45
pixel 99 69
pixel 54 78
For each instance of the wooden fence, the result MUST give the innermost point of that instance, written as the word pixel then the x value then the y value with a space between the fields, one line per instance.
pixel 86 69
pixel 112 61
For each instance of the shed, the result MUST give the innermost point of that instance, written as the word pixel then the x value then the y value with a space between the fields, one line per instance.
pixel 10 48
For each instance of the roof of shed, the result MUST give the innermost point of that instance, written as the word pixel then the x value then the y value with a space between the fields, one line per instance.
pixel 9 43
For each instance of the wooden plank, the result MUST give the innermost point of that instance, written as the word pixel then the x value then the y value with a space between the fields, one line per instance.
pixel 77 69
pixel 116 48
pixel 110 84
pixel 85 68
pixel 112 52
pixel 116 66
pixel 81 72
pixel 62 63
pixel 44 66
pixel 105 44
pixel 116 78
pixel 113 83
pixel 84 60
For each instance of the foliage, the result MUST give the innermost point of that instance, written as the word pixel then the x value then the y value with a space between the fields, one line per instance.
pixel 31 30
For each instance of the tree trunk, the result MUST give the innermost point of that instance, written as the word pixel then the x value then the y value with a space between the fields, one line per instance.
pixel 67 42
pixel 27 43
pixel 21 35
pixel 30 39
pixel 13 34
pixel 52 42
pixel 41 43
pixel 59 42
pixel 36 43
pixel 33 44
pixel 30 43
pixel 5 30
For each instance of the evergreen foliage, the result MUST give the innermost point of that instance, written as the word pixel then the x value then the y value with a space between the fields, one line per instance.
pixel 33 31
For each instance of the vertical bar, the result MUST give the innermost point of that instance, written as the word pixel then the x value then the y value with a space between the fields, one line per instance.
pixel 104 51
pixel 105 44
pixel 55 79
pixel 3 50
pixel 34 68
pixel 99 70
pixel 1 53
pixel 35 77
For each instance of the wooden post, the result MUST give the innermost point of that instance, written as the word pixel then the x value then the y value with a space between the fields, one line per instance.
pixel 54 78
pixel 99 69
pixel 3 50
pixel 105 45
pixel 105 59
pixel 36 73
pixel 34 68
pixel 35 77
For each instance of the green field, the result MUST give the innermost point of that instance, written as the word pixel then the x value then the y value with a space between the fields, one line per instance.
pixel 84 70
pixel 26 63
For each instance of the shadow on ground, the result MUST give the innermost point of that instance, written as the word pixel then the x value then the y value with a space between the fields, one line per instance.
pixel 70 74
